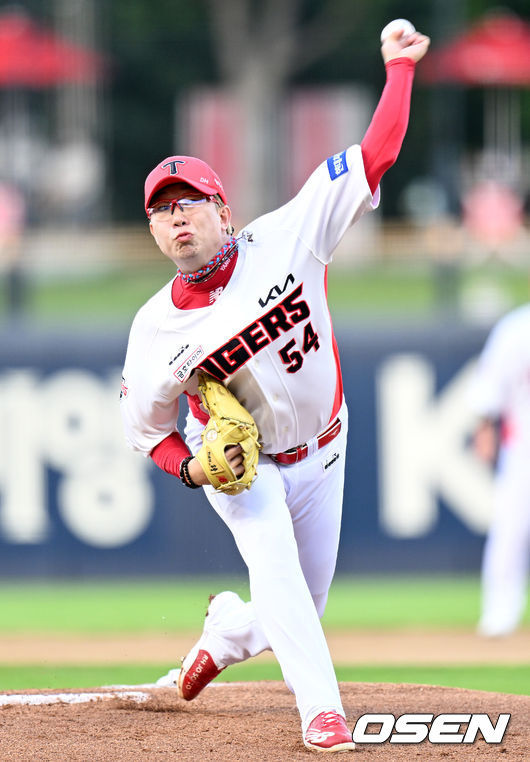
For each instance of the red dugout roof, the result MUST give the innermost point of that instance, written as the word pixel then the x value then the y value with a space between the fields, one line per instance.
pixel 496 51
pixel 33 56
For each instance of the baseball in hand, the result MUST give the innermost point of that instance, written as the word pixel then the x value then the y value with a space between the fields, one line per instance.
pixel 393 26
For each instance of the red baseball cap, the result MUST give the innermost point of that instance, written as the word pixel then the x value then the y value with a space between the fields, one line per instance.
pixel 183 169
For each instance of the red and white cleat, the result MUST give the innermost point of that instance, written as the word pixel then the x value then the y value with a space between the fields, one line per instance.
pixel 193 678
pixel 198 667
pixel 329 732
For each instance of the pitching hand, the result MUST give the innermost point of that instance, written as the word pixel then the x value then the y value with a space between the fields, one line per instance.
pixel 414 46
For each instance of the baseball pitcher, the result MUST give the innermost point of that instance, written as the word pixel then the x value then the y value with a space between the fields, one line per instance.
pixel 243 331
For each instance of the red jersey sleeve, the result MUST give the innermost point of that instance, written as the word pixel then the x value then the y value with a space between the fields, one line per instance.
pixel 384 137
pixel 169 453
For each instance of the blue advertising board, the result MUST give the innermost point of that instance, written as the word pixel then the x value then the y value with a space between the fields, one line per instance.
pixel 75 502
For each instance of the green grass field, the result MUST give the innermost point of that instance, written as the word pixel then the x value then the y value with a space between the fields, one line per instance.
pixel 501 679
pixel 178 606
pixel 376 292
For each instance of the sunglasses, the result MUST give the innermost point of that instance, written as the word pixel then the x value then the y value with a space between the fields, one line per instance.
pixel 164 210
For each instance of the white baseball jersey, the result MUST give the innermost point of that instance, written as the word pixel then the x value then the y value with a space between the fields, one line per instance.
pixel 267 335
pixel 502 384
pixel 502 389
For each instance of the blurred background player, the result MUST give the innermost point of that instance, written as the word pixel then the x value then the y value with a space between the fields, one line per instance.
pixel 501 399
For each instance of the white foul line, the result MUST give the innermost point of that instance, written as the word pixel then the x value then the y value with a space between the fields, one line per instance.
pixel 36 699
pixel 107 692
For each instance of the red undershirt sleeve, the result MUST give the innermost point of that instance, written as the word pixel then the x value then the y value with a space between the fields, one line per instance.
pixel 169 453
pixel 381 145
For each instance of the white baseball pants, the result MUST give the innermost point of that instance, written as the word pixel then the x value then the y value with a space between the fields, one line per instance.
pixel 506 558
pixel 286 528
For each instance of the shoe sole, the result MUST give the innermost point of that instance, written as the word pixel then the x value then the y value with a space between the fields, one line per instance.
pixel 346 746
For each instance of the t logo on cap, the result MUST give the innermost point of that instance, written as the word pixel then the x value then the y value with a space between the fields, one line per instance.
pixel 173 164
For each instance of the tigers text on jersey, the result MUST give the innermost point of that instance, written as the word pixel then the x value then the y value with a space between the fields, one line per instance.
pixel 267 335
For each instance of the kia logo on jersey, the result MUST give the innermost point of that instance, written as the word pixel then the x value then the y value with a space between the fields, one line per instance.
pixel 276 291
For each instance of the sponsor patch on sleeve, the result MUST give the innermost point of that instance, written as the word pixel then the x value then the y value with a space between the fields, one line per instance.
pixel 337 165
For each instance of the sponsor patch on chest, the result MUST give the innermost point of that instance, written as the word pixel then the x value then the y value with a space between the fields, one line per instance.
pixel 183 370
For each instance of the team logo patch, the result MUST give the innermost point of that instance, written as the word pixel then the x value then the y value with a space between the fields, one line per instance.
pixel 337 165
pixel 173 166
pixel 184 369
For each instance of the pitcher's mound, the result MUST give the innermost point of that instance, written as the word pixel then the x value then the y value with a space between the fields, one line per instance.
pixel 247 722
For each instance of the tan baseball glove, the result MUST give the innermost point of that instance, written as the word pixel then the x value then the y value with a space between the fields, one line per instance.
pixel 229 424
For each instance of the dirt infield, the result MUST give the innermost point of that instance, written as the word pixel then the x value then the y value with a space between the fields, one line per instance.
pixel 406 646
pixel 255 722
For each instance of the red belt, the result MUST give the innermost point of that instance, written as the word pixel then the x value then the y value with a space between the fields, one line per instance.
pixel 296 454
